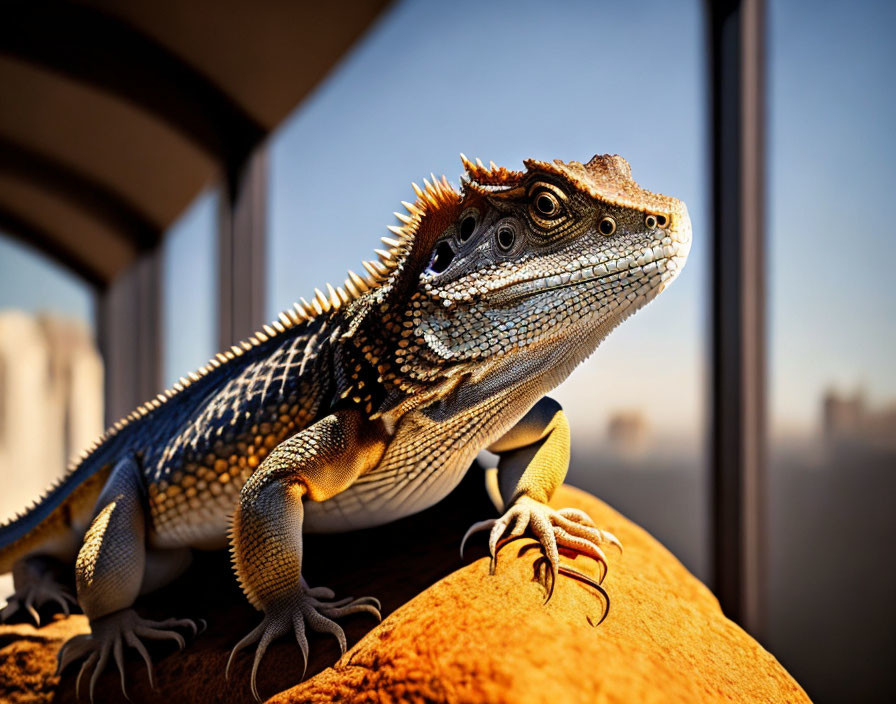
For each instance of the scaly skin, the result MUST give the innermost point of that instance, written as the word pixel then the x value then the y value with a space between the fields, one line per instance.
pixel 363 406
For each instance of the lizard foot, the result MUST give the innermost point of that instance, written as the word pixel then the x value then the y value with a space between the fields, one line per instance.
pixel 108 636
pixel 312 606
pixel 44 589
pixel 568 528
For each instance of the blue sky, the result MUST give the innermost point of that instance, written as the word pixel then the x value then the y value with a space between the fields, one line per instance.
pixel 189 319
pixel 508 80
pixel 832 179
pixel 30 282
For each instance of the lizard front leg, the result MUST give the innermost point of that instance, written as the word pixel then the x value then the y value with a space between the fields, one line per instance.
pixel 534 458
pixel 315 464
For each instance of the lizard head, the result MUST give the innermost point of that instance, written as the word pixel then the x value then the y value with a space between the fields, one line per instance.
pixel 551 257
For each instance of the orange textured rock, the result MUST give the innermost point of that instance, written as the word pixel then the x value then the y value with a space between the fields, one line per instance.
pixel 453 633
pixel 482 638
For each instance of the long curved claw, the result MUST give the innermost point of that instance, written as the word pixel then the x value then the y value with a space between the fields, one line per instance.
pixel 137 645
pixel 541 527
pixel 266 638
pixel 100 666
pixel 248 639
pixel 298 624
pixel 341 611
pixel 582 577
pixel 63 604
pixel 29 607
pixel 88 663
pixel 310 608
pixel 322 624
pixel 73 649
pixel 475 528
pixel 372 600
pixel 585 547
pixel 119 663
pixel 179 623
pixel 157 634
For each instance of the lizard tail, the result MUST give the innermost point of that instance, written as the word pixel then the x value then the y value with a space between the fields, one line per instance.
pixel 55 523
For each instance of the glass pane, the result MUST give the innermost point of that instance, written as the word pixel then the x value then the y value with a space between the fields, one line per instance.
pixel 507 81
pixel 833 337
pixel 51 376
pixel 189 290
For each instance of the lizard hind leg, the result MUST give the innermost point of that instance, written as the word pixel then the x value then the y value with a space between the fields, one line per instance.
pixel 109 572
pixel 37 583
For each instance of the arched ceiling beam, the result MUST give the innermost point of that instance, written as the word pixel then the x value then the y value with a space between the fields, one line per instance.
pixel 80 191
pixel 35 236
pixel 92 47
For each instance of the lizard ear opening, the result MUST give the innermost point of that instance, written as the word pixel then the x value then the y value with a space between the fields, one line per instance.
pixel 441 258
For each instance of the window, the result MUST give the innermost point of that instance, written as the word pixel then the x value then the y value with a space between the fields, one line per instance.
pixel 429 82
pixel 189 290
pixel 832 484
pixel 51 380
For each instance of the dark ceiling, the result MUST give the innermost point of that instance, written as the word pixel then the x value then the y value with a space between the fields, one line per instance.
pixel 114 115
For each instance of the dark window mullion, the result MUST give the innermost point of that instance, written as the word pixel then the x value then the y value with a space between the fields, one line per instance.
pixel 737 438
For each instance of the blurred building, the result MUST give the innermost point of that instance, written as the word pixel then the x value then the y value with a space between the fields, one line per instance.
pixel 627 432
pixel 848 422
pixel 51 401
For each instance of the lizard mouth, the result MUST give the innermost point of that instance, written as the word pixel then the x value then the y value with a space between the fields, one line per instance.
pixel 598 276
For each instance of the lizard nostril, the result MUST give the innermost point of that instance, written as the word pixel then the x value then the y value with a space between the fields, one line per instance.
pixel 441 258
pixel 661 220
pixel 467 225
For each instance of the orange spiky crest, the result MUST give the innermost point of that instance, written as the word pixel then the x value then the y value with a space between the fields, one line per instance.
pixel 484 179
pixel 608 177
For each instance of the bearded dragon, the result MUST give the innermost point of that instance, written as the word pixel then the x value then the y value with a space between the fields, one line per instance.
pixel 363 406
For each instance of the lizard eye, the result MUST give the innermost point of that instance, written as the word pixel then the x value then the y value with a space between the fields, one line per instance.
pixel 547 204
pixel 441 258
pixel 506 237
pixel 607 226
